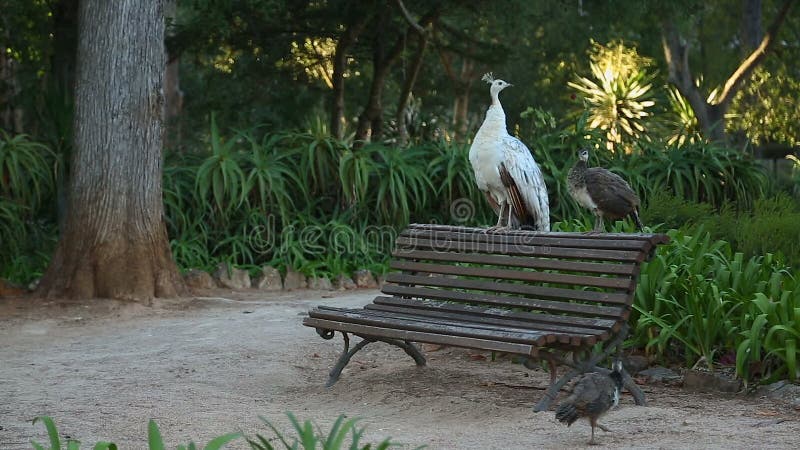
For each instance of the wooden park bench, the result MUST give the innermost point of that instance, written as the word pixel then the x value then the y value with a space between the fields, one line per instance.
pixel 543 295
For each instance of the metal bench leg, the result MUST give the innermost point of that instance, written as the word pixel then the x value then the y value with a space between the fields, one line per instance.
pixel 347 353
pixel 410 349
pixel 552 391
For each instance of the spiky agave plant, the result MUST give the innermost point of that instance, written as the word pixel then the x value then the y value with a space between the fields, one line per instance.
pixel 619 95
pixel 681 122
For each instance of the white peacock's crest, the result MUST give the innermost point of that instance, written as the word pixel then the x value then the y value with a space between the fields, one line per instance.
pixel 488 77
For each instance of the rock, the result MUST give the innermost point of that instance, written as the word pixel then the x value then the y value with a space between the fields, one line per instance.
pixel 199 279
pixel 34 284
pixel 268 280
pixel 364 279
pixel 320 284
pixel 659 374
pixel 9 289
pixel 635 363
pixel 233 278
pixel 294 280
pixel 697 380
pixel 342 282
pixel 381 279
pixel 782 392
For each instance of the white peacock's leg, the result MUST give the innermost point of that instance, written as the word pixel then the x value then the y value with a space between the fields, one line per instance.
pixel 503 206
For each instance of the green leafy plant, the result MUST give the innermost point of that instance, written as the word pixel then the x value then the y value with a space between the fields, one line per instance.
pixel 680 121
pixel 310 437
pixel 26 170
pixel 220 178
pixel 771 332
pixel 55 440
pixel 155 441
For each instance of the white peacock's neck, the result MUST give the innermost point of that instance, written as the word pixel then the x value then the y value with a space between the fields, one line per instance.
pixel 494 125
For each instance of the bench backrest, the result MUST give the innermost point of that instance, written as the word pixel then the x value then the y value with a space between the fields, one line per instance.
pixel 587 281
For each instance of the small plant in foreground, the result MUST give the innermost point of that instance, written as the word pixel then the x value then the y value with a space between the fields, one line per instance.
pixel 309 439
pixel 71 444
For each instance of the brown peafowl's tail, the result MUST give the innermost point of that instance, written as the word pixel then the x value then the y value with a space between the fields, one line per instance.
pixel 567 413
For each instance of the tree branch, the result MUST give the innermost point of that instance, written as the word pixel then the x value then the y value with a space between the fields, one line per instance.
pixel 413 23
pixel 676 52
pixel 734 82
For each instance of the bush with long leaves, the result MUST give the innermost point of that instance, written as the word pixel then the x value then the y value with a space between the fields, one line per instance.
pixel 26 171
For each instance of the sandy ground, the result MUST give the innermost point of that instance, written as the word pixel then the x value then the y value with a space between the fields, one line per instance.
pixel 212 365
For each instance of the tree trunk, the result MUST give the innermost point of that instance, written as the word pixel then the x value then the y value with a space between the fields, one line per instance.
pixel 461 113
pixel 750 34
pixel 462 83
pixel 114 244
pixel 408 87
pixel 370 121
pixel 346 41
pixel 710 113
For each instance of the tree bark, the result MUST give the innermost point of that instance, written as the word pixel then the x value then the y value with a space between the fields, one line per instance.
pixel 370 121
pixel 710 113
pixel 344 44
pixel 750 34
pixel 408 87
pixel 462 83
pixel 114 244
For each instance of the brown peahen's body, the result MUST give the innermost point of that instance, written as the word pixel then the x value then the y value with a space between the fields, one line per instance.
pixel 593 395
pixel 603 192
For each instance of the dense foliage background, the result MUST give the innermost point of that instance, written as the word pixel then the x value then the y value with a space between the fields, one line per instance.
pixel 304 134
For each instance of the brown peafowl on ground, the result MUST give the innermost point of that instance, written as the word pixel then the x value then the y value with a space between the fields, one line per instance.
pixel 603 192
pixel 592 396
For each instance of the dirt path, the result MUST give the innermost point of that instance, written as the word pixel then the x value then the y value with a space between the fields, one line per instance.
pixel 209 366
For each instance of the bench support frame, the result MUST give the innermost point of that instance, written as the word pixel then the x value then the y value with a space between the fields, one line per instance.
pixel 348 352
pixel 578 365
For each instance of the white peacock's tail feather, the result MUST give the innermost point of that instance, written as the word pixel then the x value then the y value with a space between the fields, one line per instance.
pixel 488 77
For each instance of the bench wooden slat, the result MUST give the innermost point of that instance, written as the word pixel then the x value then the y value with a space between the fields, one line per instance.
pixel 503 300
pixel 529 239
pixel 520 261
pixel 550 293
pixel 493 311
pixel 379 312
pixel 510 274
pixel 525 250
pixel 431 338
pixel 360 316
pixel 563 333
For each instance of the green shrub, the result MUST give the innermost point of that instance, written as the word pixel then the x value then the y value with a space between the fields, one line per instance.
pixel 309 437
pixel 698 300
pixel 26 171
pixel 770 332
